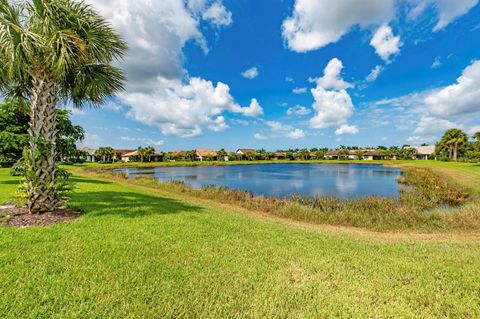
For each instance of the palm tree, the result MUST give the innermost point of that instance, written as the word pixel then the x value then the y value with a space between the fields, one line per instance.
pixel 51 51
pixel 144 152
pixel 453 139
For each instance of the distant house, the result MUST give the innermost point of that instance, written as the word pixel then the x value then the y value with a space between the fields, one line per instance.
pixel 89 154
pixel 135 157
pixel 425 152
pixel 177 155
pixel 280 156
pixel 119 154
pixel 369 155
pixel 204 153
pixel 244 152
pixel 372 155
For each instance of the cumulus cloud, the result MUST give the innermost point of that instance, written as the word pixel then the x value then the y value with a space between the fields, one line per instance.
pixel 375 73
pixel 332 78
pixel 289 79
pixel 460 99
pixel 347 129
pixel 260 137
pixel 144 141
pixel 298 110
pixel 447 10
pixel 429 125
pixel 316 23
pixel 183 109
pixel 385 43
pixel 474 130
pixel 251 73
pixel 159 91
pixel 299 90
pixel 333 105
pixel 285 130
pixel 218 15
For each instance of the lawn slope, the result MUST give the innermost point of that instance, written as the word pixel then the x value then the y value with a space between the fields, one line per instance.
pixel 137 253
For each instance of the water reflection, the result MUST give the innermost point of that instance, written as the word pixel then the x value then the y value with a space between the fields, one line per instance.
pixel 283 180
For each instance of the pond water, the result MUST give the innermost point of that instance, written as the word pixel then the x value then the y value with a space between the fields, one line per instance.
pixel 284 180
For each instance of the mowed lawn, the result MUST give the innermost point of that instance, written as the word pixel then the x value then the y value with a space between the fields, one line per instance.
pixel 138 253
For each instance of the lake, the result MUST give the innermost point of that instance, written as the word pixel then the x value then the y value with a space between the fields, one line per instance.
pixel 285 179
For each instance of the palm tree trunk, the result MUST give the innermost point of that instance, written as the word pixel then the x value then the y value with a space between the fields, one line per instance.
pixel 455 152
pixel 41 155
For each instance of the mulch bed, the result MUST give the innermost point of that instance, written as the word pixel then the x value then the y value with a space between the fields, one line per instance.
pixel 12 216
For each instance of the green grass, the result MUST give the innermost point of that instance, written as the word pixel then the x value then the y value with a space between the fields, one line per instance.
pixel 145 253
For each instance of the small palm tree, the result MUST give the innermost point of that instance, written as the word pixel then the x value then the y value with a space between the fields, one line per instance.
pixel 51 51
pixel 453 139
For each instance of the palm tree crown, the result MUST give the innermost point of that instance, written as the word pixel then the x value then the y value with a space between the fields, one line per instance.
pixel 66 41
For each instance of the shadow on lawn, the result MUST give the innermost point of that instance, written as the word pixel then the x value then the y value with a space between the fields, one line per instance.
pixel 127 204
pixel 12 182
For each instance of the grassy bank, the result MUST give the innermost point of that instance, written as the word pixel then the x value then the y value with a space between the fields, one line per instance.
pixel 140 252
pixel 430 202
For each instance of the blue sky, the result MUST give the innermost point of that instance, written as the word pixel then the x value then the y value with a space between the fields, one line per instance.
pixel 287 74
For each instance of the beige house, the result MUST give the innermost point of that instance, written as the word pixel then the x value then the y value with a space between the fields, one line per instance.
pixel 425 152
pixel 204 153
pixel 135 157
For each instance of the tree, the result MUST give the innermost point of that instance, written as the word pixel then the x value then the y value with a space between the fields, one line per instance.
pixel 144 152
pixel 222 154
pixel 13 131
pixel 304 154
pixel 452 140
pixel 105 153
pixel 14 119
pixel 51 51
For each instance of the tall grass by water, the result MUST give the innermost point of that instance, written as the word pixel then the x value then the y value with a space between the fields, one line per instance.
pixel 427 202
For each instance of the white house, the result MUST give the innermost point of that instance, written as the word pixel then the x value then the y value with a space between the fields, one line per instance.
pixel 89 154
pixel 424 152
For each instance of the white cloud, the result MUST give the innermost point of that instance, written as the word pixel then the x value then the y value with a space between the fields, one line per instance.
pixel 474 130
pixel 91 140
pixel 316 23
pixel 436 63
pixel 385 43
pixel 298 110
pixel 347 129
pixel 430 125
pixel 144 141
pixel 218 15
pixel 251 73
pixel 332 102
pixel 183 109
pixel 299 90
pixel 289 79
pixel 460 99
pixel 253 110
pixel 159 91
pixel 332 78
pixel 419 140
pixel 374 74
pixel 260 137
pixel 447 10
pixel 285 130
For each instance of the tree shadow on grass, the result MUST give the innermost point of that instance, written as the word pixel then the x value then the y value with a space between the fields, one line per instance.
pixel 82 180
pixel 127 204
pixel 12 182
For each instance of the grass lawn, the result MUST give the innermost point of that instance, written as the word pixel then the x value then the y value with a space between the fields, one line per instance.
pixel 145 253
